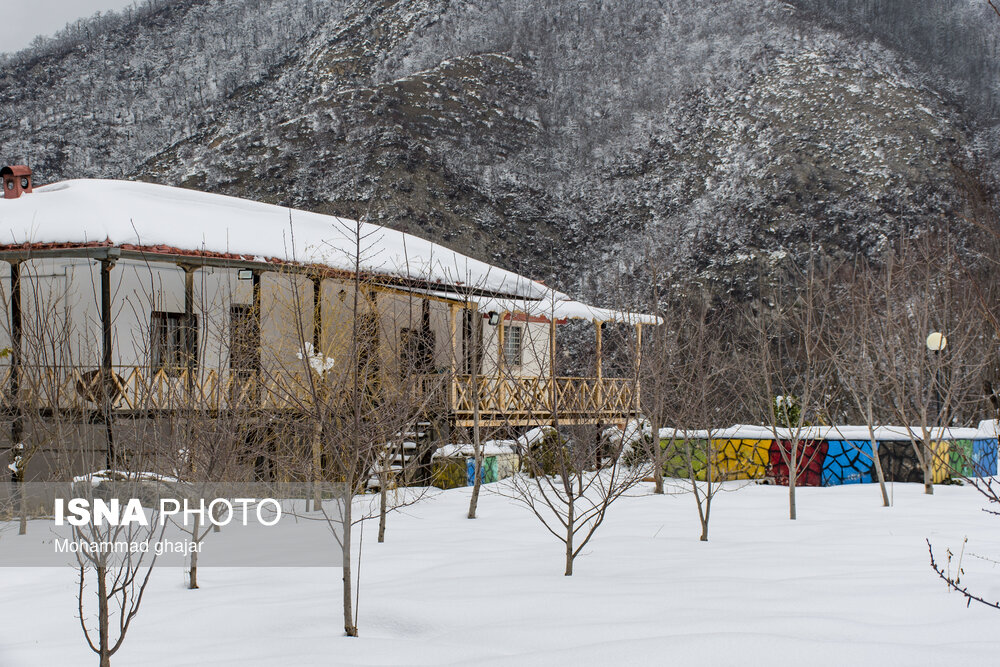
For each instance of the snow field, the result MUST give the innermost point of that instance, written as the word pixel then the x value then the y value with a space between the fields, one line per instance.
pixel 847 583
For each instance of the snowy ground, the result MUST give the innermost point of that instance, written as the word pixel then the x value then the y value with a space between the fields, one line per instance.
pixel 847 583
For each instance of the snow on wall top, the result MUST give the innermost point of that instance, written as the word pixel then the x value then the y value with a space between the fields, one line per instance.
pixel 128 212
pixel 985 431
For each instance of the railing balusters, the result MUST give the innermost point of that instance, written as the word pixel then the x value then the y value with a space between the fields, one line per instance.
pixel 528 399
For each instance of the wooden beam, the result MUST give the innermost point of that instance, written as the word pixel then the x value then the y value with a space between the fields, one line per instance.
pixel 638 368
pixel 191 329
pixel 552 366
pixel 17 425
pixel 453 311
pixel 107 377
pixel 599 364
pixel 317 337
pixel 257 344
pixel 501 360
pixel 501 364
pixel 385 283
pixel 317 437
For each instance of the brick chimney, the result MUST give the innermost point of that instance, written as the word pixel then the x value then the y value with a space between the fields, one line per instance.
pixel 16 180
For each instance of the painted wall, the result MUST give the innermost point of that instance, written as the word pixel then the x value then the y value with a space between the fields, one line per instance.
pixel 848 462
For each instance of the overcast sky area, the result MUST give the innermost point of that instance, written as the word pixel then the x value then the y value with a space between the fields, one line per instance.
pixel 23 21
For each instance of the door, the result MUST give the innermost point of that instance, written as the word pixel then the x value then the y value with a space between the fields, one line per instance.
pixel 472 342
pixel 244 350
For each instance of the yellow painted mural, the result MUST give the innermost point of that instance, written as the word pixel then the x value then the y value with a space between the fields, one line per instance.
pixel 740 459
pixel 941 470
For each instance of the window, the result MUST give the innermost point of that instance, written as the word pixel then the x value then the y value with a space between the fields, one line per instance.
pixel 512 346
pixel 416 351
pixel 174 342
pixel 244 339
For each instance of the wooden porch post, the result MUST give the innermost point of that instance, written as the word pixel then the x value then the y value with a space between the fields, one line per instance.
pixel 317 445
pixel 317 337
pixel 257 393
pixel 501 364
pixel 453 366
pixel 17 425
pixel 599 390
pixel 264 465
pixel 638 368
pixel 190 331
pixel 107 373
pixel 552 366
pixel 500 333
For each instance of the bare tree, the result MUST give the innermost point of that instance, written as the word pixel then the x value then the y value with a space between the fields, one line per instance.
pixel 696 365
pixel 858 362
pixel 659 356
pixel 788 371
pixel 926 303
pixel 353 390
pixel 118 561
pixel 573 476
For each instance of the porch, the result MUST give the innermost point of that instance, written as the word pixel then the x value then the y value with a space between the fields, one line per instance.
pixel 458 399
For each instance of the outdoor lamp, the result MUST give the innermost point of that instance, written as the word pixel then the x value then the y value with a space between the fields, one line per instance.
pixel 494 318
pixel 936 341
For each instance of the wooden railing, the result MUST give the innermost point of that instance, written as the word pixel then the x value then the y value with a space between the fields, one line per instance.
pixel 501 400
pixel 138 388
pixel 541 399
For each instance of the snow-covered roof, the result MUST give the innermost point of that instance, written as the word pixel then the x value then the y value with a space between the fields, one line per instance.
pixel 144 214
pixel 985 431
pixel 554 306
pixel 497 447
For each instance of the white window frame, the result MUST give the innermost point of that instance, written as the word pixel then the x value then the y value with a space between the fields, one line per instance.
pixel 513 357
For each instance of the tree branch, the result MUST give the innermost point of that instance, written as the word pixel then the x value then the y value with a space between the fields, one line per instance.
pixel 969 597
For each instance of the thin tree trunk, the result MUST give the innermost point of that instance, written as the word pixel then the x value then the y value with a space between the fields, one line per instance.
pixel 350 629
pixel 382 501
pixel 569 540
pixel 657 458
pixel 706 516
pixel 880 474
pixel 193 572
pixel 928 469
pixel 317 464
pixel 792 474
pixel 22 506
pixel 477 453
pixel 102 613
pixel 875 456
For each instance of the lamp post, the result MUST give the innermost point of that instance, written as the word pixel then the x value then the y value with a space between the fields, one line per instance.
pixel 936 343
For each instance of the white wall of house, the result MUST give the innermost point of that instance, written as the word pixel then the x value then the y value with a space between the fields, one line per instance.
pixel 71 309
pixel 534 361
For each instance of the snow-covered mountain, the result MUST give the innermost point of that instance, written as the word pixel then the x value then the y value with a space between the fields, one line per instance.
pixel 575 142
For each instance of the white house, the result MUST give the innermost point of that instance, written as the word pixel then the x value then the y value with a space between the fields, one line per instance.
pixel 126 298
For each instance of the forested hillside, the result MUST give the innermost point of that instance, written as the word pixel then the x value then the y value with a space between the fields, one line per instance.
pixel 577 142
